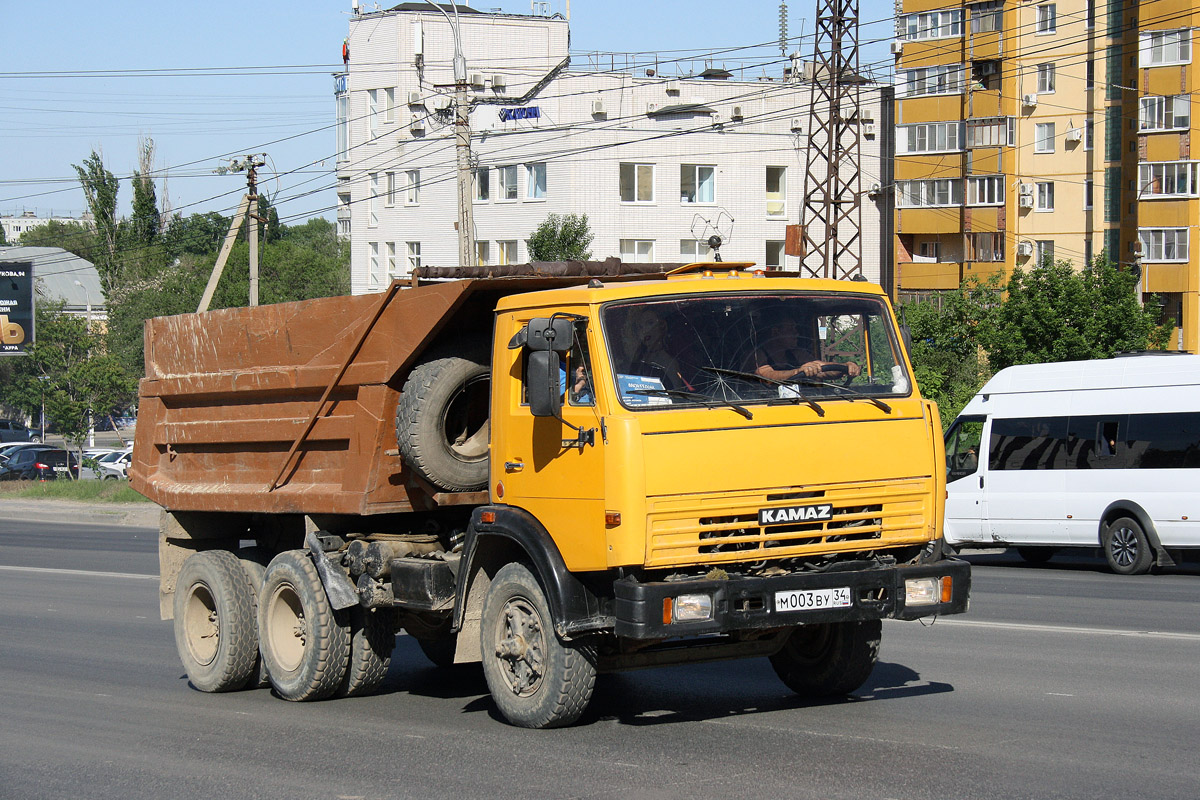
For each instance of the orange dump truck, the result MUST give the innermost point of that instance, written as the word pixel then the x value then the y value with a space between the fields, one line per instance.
pixel 554 476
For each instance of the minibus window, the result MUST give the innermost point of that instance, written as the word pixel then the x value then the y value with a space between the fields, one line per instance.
pixel 962 447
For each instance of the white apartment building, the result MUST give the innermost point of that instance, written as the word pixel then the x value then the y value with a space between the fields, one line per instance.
pixel 16 224
pixel 657 163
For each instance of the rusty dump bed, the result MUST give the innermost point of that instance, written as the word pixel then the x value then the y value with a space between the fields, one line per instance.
pixel 232 416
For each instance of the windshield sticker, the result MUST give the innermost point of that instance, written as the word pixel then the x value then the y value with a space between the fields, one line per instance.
pixel 628 384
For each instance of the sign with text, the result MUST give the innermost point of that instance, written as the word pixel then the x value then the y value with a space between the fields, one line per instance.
pixel 16 307
pixel 529 112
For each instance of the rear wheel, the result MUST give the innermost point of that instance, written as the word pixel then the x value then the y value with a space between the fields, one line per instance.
pixel 214 622
pixel 254 572
pixel 828 659
pixel 305 643
pixel 1036 555
pixel 1126 547
pixel 372 639
pixel 536 679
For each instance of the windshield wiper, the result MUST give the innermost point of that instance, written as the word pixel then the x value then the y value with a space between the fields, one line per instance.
pixel 756 377
pixel 708 402
pixel 854 393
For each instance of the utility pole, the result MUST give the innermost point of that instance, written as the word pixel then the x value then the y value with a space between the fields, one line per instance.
pixel 247 208
pixel 462 144
pixel 831 221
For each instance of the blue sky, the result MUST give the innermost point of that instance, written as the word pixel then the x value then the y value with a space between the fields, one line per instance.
pixel 209 80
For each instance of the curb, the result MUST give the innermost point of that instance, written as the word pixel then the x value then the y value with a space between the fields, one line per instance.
pixel 140 515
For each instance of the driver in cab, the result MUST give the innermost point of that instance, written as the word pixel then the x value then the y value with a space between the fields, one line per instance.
pixel 783 355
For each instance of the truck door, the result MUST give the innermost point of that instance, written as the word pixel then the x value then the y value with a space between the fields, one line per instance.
pixel 966 500
pixel 542 469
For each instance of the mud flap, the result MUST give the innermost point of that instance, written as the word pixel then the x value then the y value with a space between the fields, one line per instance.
pixel 338 587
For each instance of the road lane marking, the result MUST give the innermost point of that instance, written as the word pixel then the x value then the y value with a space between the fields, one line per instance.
pixel 1036 628
pixel 81 573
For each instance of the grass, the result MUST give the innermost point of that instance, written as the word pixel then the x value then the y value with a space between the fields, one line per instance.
pixel 81 491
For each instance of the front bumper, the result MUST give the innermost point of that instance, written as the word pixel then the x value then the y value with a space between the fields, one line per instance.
pixel 748 603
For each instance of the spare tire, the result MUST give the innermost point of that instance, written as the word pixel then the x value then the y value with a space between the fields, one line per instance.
pixel 442 423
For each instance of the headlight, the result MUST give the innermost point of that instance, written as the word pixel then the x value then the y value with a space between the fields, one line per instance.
pixel 921 591
pixel 691 608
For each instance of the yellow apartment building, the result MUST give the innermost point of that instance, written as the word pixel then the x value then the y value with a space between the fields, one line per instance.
pixel 1028 130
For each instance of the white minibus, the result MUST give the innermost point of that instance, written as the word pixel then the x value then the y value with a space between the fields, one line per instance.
pixel 1081 454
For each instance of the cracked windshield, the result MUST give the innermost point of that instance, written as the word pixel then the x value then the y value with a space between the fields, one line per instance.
pixel 753 349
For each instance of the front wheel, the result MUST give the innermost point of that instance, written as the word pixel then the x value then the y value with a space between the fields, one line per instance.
pixel 536 679
pixel 1126 547
pixel 829 659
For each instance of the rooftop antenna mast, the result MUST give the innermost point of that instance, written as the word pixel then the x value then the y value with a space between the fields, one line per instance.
pixel 831 213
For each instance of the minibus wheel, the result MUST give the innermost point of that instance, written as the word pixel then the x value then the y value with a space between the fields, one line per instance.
pixel 1126 547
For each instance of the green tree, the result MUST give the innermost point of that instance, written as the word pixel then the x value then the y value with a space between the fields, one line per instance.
pixel 100 190
pixel 69 369
pixel 197 234
pixel 561 237
pixel 3 238
pixel 145 223
pixel 70 236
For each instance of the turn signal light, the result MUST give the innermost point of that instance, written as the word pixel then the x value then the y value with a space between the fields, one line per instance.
pixel 612 518
pixel 487 516
pixel 947 589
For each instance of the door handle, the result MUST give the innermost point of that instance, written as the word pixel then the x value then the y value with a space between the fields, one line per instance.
pixel 980 481
pixel 514 466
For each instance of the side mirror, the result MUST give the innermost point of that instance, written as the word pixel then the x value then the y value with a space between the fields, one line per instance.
pixel 543 384
pixel 906 337
pixel 550 333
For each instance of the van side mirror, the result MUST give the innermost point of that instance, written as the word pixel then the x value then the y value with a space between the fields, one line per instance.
pixel 542 384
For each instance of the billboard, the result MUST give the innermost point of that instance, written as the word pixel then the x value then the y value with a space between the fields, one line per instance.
pixel 16 307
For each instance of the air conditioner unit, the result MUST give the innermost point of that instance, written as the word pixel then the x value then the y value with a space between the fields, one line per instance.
pixel 598 108
pixel 897 47
pixel 1025 189
pixel 1030 100
pixel 499 82
pixel 417 124
pixel 797 124
pixel 476 80
pixel 1073 135
pixel 1025 201
pixel 868 129
pixel 414 99
pixel 672 87
pixel 1025 249
pixel 652 108
pixel 736 113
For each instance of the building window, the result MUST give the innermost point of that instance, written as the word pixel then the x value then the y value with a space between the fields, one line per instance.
pixel 637 183
pixel 637 250
pixel 985 247
pixel 776 191
pixel 928 252
pixel 343 125
pixel 506 252
pixel 1047 18
pixel 1091 16
pixel 987 17
pixel 985 191
pixel 1090 79
pixel 993 132
pixel 1045 78
pixel 482 253
pixel 374 279
pixel 929 193
pixel 1043 252
pixel 390 265
pixel 1112 133
pixel 412 192
pixel 414 255
pixel 1165 113
pixel 929 137
pixel 373 117
pixel 697 184
pixel 389 104
pixel 1166 47
pixel 694 250
pixel 1089 134
pixel 774 255
pixel 1043 137
pixel 535 181
pixel 1168 179
pixel 482 186
pixel 1087 251
pixel 947 79
pixel 390 193
pixel 932 24
pixel 1045 196
pixel 1089 190
pixel 506 177
pixel 373 200
pixel 1164 244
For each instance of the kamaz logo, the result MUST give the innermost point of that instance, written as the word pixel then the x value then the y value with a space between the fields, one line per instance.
pixel 778 516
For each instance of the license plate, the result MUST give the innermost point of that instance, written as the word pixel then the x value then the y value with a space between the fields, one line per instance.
pixel 812 599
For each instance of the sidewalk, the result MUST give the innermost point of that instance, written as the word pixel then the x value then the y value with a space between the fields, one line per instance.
pixel 142 515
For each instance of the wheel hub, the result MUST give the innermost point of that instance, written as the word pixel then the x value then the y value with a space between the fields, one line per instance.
pixel 1124 547
pixel 521 647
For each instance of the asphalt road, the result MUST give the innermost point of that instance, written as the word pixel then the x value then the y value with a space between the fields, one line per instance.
pixel 1063 681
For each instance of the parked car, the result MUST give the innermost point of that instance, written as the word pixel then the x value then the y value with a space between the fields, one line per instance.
pixel 113 466
pixel 40 464
pixel 7 451
pixel 13 431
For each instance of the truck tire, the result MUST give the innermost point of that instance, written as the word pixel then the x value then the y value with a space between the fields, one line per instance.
pixel 536 679
pixel 254 575
pixel 214 622
pixel 305 643
pixel 442 423
pixel 434 636
pixel 828 659
pixel 1126 547
pixel 372 639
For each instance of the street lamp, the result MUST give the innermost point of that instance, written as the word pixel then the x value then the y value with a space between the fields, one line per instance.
pixel 91 419
pixel 88 296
